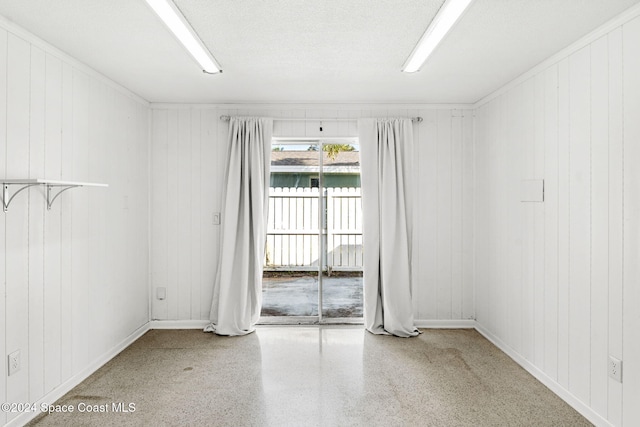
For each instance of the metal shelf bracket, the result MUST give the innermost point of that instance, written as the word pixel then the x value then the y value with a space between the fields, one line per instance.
pixel 50 200
pixel 50 185
pixel 6 198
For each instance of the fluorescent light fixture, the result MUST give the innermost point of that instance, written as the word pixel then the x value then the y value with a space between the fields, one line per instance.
pixel 176 22
pixel 444 20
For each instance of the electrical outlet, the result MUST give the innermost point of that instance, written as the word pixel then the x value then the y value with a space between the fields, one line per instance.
pixel 615 368
pixel 14 362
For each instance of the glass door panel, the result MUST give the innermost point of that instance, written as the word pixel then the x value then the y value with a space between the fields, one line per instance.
pixel 342 231
pixel 292 256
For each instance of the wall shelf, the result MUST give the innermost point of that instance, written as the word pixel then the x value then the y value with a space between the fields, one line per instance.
pixel 50 185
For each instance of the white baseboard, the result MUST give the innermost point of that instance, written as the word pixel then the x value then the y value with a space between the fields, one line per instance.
pixel 445 324
pixel 178 324
pixel 68 385
pixel 550 383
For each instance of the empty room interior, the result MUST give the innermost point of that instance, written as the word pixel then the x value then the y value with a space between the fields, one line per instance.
pixel 421 212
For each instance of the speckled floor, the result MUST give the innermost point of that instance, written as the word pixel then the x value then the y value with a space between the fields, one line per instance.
pixel 313 376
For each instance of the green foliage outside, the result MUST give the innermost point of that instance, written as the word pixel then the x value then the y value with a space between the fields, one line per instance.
pixel 332 150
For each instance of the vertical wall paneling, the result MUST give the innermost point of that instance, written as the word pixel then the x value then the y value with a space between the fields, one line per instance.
pixel 98 285
pixel 573 301
pixel 184 226
pixel 196 209
pixel 343 127
pixel 501 172
pixel 563 223
pixel 282 128
pixel 528 221
pixel 36 225
pixel 144 134
pixel 136 210
pixel 494 288
pixel 221 142
pixel 492 203
pixel 173 209
pixel 579 223
pixel 631 290
pixel 353 125
pixel 489 224
pixel 65 272
pixel 118 193
pixel 65 204
pixel 211 160
pixel 119 187
pixel 599 222
pixel 539 124
pixel 417 229
pixel 17 233
pixel 297 127
pixel 467 207
pixel 616 216
pixel 551 229
pixel 329 128
pixel 3 174
pixel 444 215
pixel 427 175
pixel 136 215
pixel 312 127
pixel 92 141
pixel 52 259
pixel 492 268
pixel 456 213
pixel 159 212
pixel 80 224
pixel 498 312
pixel 513 170
pixel 481 213
pixel 94 285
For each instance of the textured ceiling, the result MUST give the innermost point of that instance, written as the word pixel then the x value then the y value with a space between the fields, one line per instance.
pixel 312 51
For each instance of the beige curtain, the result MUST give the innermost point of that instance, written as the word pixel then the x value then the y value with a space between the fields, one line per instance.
pixel 237 291
pixel 385 154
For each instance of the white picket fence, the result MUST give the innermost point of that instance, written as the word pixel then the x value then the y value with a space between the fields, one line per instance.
pixel 293 231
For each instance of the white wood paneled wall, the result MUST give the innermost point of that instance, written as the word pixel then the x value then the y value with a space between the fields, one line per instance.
pixel 188 165
pixel 553 283
pixel 550 277
pixel 74 279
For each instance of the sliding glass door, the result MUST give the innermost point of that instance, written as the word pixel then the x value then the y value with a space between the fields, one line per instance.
pixel 313 262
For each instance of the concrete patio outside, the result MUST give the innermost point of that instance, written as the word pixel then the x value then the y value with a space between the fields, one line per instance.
pixel 297 295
